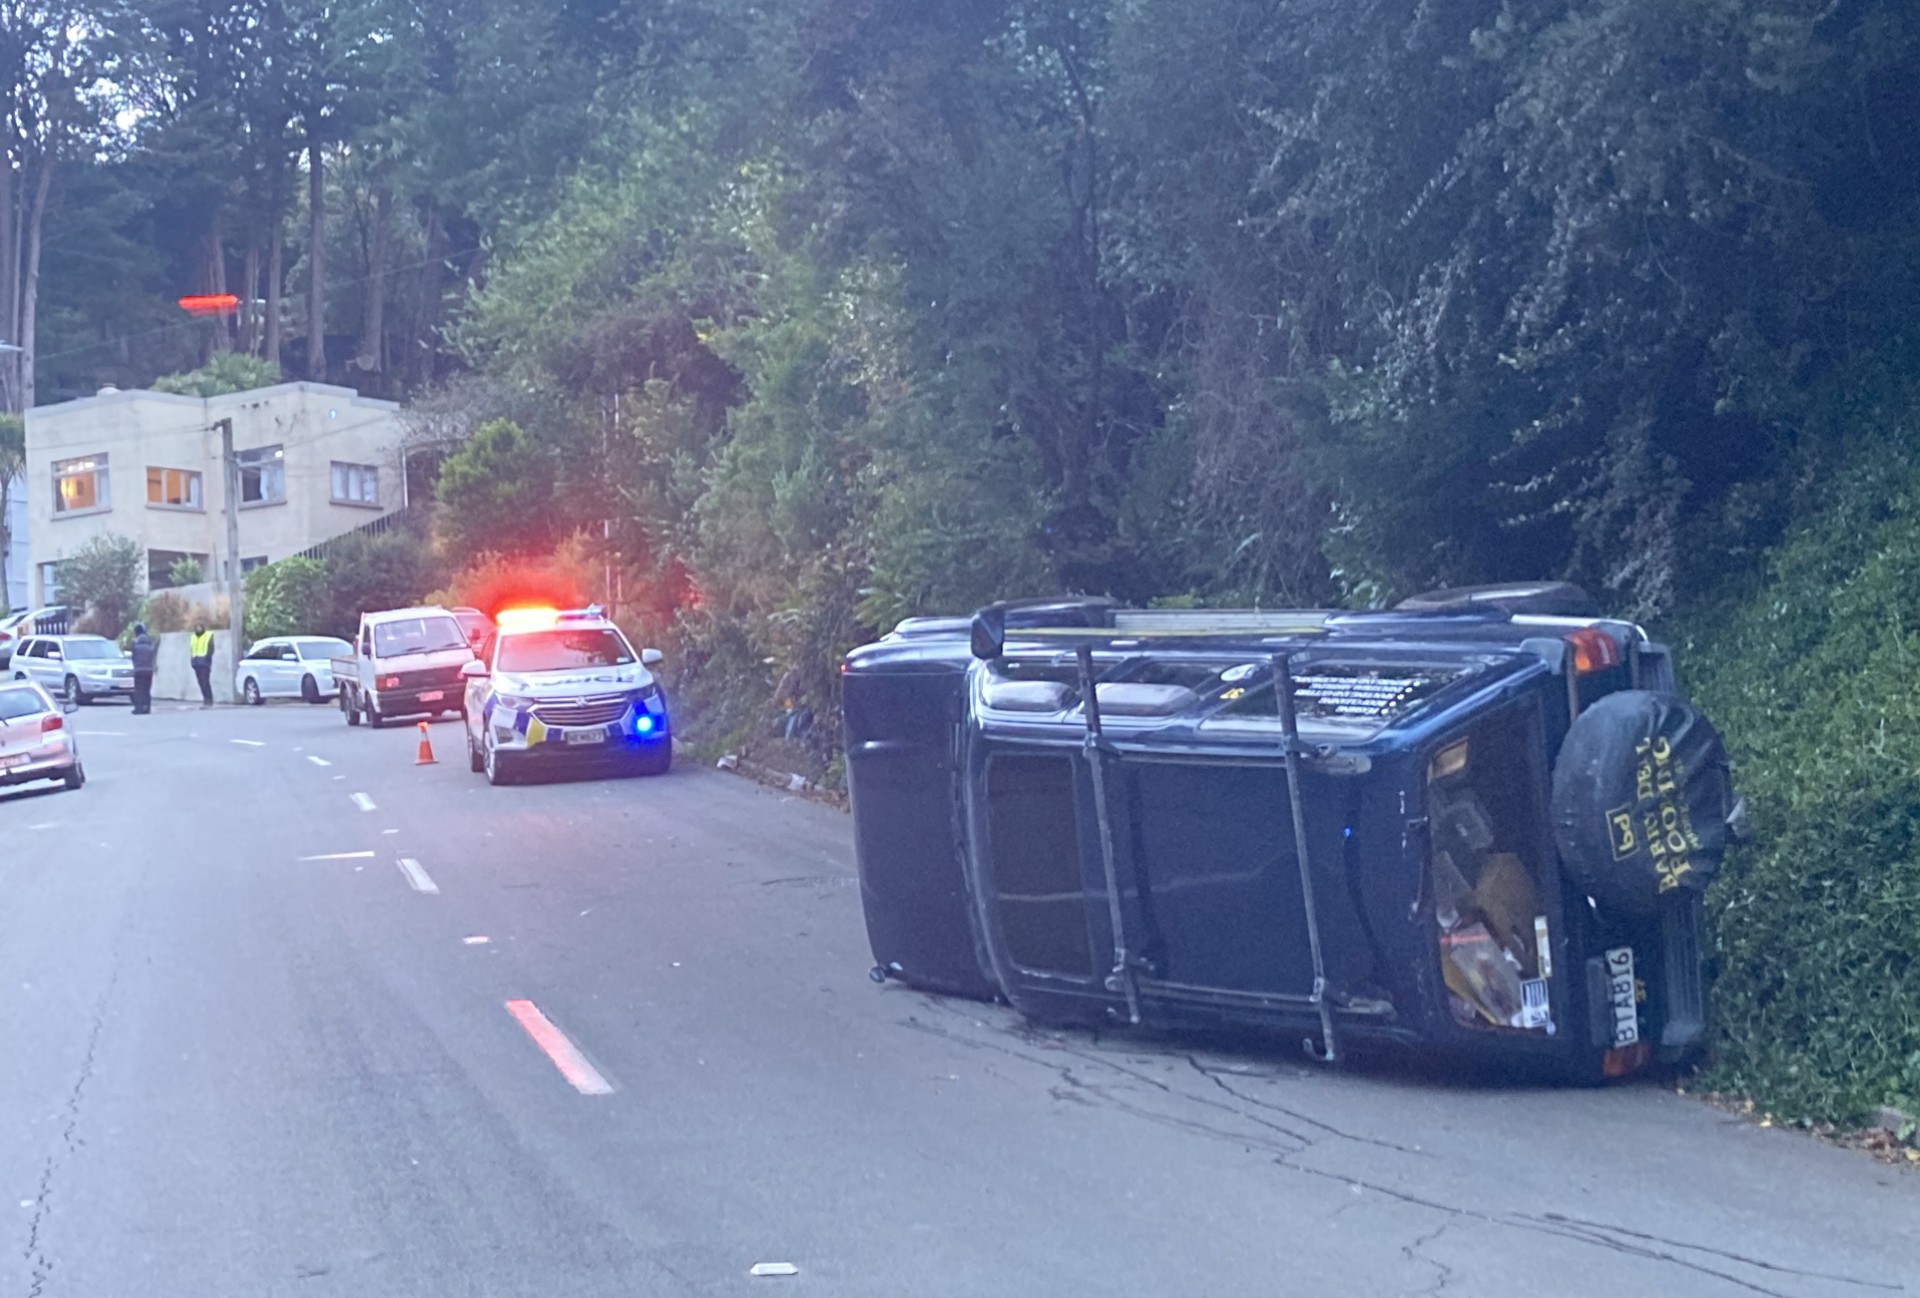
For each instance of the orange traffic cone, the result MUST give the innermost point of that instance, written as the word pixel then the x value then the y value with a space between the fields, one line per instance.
pixel 426 757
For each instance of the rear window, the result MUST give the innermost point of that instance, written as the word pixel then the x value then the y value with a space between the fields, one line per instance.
pixel 17 703
pixel 427 634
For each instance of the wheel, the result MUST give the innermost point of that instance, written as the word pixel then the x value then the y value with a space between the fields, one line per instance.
pixel 310 690
pixel 494 762
pixel 76 776
pixel 476 760
pixel 374 718
pixel 657 760
pixel 72 692
pixel 348 710
pixel 251 691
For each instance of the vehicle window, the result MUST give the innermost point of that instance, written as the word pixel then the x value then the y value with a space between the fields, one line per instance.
pixel 28 649
pixel 564 648
pixel 487 647
pixel 92 650
pixel 261 651
pixel 17 703
pixel 417 635
pixel 322 649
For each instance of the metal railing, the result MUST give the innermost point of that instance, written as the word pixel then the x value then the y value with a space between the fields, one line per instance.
pixel 404 517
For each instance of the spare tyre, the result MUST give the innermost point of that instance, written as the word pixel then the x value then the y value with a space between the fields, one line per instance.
pixel 1641 797
pixel 1539 598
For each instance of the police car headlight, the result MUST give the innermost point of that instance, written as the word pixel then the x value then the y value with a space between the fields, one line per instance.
pixel 514 702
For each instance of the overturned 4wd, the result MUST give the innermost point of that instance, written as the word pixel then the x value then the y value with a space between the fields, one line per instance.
pixel 1479 824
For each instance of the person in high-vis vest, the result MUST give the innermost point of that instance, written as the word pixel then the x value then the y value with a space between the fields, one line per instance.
pixel 200 651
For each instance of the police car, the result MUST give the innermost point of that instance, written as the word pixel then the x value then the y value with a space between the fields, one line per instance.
pixel 563 689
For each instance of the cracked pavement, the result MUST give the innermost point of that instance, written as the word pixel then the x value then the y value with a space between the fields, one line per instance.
pixel 245 1055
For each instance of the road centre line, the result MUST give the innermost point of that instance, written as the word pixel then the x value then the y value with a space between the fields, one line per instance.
pixel 318 761
pixel 416 876
pixel 250 743
pixel 573 1065
pixel 338 856
pixel 363 802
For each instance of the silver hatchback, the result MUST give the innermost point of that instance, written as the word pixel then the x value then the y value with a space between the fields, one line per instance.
pixel 78 668
pixel 36 743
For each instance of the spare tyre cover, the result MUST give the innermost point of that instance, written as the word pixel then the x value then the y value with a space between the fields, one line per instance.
pixel 1641 796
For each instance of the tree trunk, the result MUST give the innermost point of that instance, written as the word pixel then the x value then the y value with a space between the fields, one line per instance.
pixel 9 280
pixel 276 276
pixel 250 294
pixel 432 286
pixel 30 283
pixel 214 274
pixel 373 337
pixel 316 256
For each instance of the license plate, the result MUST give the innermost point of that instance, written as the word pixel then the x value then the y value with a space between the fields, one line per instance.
pixel 432 696
pixel 1622 991
pixel 19 759
pixel 586 736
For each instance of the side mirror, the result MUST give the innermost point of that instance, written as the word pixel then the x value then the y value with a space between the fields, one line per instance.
pixel 651 657
pixel 474 670
pixel 990 632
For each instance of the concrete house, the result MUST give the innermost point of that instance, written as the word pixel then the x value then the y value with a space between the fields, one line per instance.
pixel 315 461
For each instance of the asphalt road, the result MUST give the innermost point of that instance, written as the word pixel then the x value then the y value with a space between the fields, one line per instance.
pixel 617 1038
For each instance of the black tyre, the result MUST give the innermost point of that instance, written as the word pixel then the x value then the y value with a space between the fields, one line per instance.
pixel 310 690
pixel 351 713
pixel 476 761
pixel 657 760
pixel 374 719
pixel 496 764
pixel 251 692
pixel 76 776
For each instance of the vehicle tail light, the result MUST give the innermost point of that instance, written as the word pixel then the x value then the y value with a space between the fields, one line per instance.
pixel 1593 650
pixel 50 724
pixel 390 683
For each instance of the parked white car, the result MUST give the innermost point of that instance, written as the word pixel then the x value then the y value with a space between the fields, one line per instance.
pixel 36 743
pixel 290 667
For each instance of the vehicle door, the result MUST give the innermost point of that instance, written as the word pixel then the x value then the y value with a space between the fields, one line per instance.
pixel 47 664
pixel 265 662
pixel 478 688
pixel 284 669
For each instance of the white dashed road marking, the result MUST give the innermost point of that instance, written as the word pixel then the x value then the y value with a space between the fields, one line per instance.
pixel 338 856
pixel 573 1065
pixel 363 802
pixel 318 761
pixel 416 876
pixel 250 743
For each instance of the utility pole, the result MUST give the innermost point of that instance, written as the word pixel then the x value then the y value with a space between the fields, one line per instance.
pixel 236 591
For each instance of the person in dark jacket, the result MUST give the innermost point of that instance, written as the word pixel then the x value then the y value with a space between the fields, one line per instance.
pixel 142 652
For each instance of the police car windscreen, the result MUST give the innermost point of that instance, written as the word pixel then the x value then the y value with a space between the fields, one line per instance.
pixel 417 635
pixel 563 649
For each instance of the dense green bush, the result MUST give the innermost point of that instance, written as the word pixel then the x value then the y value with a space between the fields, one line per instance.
pixel 1810 674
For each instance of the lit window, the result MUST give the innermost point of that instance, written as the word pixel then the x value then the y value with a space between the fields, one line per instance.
pixel 81 485
pixel 356 484
pixel 173 488
pixel 263 475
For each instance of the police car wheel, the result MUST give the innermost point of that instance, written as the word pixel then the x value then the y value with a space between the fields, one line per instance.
pixel 657 760
pixel 495 765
